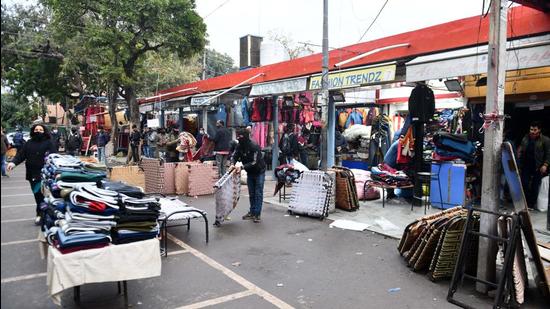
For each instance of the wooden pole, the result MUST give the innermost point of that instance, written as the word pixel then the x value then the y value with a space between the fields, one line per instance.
pixel 496 73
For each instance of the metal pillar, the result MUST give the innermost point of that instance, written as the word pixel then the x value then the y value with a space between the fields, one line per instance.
pixel 161 119
pixel 180 119
pixel 331 135
pixel 275 147
pixel 496 73
pixel 205 119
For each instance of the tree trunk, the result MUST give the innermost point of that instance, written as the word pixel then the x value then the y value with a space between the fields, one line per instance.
pixel 131 99
pixel 113 95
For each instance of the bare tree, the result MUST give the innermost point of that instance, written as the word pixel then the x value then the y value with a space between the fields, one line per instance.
pixel 293 49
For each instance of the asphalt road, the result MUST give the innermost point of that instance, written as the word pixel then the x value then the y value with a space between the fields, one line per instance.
pixel 284 261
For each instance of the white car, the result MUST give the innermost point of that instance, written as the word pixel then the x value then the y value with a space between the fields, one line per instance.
pixel 26 136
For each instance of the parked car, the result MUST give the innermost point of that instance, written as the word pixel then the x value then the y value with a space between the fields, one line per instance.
pixel 10 135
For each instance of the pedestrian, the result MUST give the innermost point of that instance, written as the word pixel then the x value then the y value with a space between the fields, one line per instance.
pixel 18 139
pixel 221 146
pixel 135 140
pixel 55 138
pixel 102 139
pixel 162 139
pixel 74 143
pixel 5 145
pixel 145 142
pixel 289 144
pixel 152 139
pixel 534 159
pixel 199 137
pixel 251 156
pixel 33 154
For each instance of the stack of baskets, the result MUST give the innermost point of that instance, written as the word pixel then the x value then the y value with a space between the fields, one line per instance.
pixel 432 243
pixel 312 194
pixel 346 192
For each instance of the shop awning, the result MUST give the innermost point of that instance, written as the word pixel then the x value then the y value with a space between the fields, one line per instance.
pixel 279 87
pixel 521 54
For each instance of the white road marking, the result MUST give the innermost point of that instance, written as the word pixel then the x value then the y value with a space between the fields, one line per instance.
pixel 218 300
pixel 16 242
pixel 242 281
pixel 16 220
pixel 170 253
pixel 15 195
pixel 20 205
pixel 26 277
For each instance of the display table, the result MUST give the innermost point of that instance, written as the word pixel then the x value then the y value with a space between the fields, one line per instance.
pixel 113 263
pixel 384 187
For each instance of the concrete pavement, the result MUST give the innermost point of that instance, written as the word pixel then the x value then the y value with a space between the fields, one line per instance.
pixel 284 261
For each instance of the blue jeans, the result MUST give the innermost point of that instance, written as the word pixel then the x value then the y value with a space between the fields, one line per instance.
pixel 3 158
pixel 256 192
pixel 147 151
pixel 101 154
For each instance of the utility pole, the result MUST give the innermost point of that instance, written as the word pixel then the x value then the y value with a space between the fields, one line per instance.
pixel 325 148
pixel 204 108
pixel 496 74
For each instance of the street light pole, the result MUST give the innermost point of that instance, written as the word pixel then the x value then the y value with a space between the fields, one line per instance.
pixel 327 151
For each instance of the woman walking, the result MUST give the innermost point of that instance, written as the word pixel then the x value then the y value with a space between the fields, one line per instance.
pixel 33 154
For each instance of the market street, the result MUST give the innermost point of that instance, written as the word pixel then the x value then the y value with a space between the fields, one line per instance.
pixel 282 261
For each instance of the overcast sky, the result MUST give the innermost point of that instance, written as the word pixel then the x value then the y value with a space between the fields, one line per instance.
pixel 301 20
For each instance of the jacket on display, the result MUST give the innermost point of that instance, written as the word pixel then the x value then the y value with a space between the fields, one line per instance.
pixel 421 103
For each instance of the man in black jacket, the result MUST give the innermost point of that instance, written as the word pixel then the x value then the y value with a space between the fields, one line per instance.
pixel 135 140
pixel 33 154
pixel 221 146
pixel 74 143
pixel 250 154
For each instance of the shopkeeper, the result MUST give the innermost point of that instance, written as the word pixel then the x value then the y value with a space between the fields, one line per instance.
pixel 534 159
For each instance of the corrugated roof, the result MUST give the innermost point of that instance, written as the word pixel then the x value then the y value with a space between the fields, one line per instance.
pixel 467 32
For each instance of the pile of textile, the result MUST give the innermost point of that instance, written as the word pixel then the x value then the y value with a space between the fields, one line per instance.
pixel 383 174
pixel 228 192
pixel 187 143
pixel 62 173
pixel 450 147
pixel 286 174
pixel 84 211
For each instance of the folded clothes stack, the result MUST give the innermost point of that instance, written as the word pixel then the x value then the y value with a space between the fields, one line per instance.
pixel 137 219
pixel 451 147
pixel 84 211
pixel 385 175
pixel 62 173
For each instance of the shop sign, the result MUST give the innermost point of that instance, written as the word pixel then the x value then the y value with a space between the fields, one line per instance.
pixel 356 78
pixel 198 101
pixel 153 123
pixel 536 107
pixel 280 87
pixel 146 108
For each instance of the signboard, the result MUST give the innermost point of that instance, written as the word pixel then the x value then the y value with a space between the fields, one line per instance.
pixel 470 61
pixel 355 78
pixel 536 107
pixel 279 87
pixel 146 108
pixel 153 123
pixel 198 101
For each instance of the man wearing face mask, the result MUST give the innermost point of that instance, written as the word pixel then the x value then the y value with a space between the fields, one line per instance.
pixel 33 154
pixel 534 159
pixel 221 148
pixel 251 156
pixel 74 143
pixel 55 138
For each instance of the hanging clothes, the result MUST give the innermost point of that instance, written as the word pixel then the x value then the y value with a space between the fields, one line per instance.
pixel 354 118
pixel 256 107
pixel 222 114
pixel 244 111
pixel 269 108
pixel 343 118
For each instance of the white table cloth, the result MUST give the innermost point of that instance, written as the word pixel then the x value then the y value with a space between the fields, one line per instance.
pixel 113 263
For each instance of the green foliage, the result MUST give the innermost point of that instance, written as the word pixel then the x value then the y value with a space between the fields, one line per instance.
pixel 17 111
pixel 31 64
pixel 119 35
pixel 218 64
